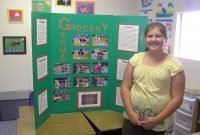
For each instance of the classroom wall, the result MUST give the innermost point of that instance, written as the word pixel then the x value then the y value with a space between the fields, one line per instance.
pixel 102 7
pixel 16 70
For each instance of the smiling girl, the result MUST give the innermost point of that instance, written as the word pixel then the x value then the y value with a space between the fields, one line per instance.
pixel 153 86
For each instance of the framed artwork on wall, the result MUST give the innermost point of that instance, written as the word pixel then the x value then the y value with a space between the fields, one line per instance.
pixel 63 2
pixel 89 99
pixel 83 7
pixel 14 45
pixel 15 16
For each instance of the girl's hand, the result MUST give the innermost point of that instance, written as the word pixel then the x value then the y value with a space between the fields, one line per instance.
pixel 135 119
pixel 149 123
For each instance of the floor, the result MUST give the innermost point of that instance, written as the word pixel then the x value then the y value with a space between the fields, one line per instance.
pixel 8 127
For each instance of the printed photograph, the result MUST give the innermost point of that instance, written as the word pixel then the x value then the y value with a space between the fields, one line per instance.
pixel 81 68
pixel 100 54
pixel 63 2
pixel 99 81
pixel 59 95
pixel 60 69
pixel 89 99
pixel 80 82
pixel 60 83
pixel 80 39
pixel 99 67
pixel 98 40
pixel 80 53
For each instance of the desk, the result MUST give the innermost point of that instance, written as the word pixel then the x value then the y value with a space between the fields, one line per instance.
pixel 105 120
pixel 66 124
pixel 26 121
pixel 60 124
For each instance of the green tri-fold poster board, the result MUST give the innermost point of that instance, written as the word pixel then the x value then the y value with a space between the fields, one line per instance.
pixel 78 61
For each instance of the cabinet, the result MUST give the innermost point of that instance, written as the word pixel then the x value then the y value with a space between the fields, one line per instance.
pixel 196 122
pixel 185 117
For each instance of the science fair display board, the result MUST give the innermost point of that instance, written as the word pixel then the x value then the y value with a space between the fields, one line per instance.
pixel 79 61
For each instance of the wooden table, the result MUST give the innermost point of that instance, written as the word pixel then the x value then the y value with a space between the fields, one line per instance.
pixel 66 124
pixel 61 124
pixel 105 120
pixel 26 121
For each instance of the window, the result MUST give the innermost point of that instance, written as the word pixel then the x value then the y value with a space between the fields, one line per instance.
pixel 187 39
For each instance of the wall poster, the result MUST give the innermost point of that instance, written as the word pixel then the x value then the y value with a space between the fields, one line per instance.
pixel 14 45
pixel 15 16
pixel 84 7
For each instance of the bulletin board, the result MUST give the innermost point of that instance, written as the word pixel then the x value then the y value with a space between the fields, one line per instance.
pixel 76 58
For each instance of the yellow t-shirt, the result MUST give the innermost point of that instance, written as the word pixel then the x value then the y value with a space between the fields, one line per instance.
pixel 150 91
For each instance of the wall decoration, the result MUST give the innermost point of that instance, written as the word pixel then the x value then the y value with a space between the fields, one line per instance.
pixel 89 99
pixel 81 82
pixel 146 3
pixel 60 83
pixel 99 67
pixel 61 95
pixel 80 39
pixel 41 5
pixel 99 81
pixel 99 54
pixel 60 69
pixel 99 40
pixel 15 16
pixel 63 2
pixel 164 10
pixel 80 53
pixel 14 45
pixel 83 7
pixel 83 68
pixel 146 9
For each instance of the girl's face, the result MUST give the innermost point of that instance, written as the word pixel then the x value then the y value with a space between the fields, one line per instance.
pixel 155 40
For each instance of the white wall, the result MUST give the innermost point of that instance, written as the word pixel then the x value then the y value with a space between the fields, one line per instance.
pixel 102 7
pixel 15 70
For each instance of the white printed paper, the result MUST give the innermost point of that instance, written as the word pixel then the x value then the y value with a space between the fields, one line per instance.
pixel 41 31
pixel 128 38
pixel 118 100
pixel 42 102
pixel 41 67
pixel 121 65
